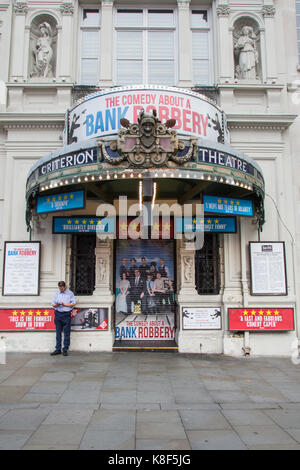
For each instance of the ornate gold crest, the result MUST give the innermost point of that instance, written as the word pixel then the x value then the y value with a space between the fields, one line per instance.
pixel 148 143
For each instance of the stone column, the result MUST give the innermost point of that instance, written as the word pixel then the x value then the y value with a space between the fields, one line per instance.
pixel 104 269
pixel 187 287
pixel 17 57
pixel 106 46
pixel 184 44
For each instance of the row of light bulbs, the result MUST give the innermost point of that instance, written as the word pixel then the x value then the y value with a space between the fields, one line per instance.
pixel 108 176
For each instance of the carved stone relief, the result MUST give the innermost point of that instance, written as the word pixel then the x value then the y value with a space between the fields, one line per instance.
pixel 43 38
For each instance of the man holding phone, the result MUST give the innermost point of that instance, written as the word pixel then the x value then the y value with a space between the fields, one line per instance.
pixel 63 303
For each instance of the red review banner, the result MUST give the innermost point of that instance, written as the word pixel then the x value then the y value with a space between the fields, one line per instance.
pixel 24 319
pixel 261 319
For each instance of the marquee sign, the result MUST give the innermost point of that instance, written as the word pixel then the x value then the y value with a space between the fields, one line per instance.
pixel 99 115
pixel 227 205
pixel 60 202
pixel 86 224
pixel 205 224
pixel 261 319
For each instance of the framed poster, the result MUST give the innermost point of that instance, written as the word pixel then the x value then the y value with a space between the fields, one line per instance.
pixel 268 268
pixel 89 319
pixel 201 318
pixel 261 319
pixel 21 268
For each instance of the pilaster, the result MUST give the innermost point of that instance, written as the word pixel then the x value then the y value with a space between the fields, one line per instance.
pixel 106 46
pixel 184 44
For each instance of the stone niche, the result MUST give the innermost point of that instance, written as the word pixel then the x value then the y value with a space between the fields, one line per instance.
pixel 246 50
pixel 42 47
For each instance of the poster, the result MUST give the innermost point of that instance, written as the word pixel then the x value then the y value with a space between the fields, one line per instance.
pixel 261 319
pixel 204 318
pixel 89 319
pixel 268 271
pixel 144 287
pixel 36 319
pixel 21 268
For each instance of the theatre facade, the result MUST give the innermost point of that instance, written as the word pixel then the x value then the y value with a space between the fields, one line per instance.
pixel 154 172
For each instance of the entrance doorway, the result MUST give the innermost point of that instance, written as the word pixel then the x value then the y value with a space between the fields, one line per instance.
pixel 145 287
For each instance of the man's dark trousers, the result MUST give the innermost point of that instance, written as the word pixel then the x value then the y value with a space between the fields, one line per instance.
pixel 63 324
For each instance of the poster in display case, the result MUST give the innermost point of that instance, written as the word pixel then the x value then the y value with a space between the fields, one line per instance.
pixel 268 268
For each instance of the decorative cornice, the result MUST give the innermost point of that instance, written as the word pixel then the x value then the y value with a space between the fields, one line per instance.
pixel 20 8
pixel 268 11
pixel 223 10
pixel 66 9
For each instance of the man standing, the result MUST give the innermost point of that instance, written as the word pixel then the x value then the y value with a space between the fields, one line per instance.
pixel 63 303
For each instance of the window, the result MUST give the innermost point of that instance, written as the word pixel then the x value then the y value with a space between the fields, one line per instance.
pixel 145 46
pixel 201 47
pixel 90 47
pixel 298 27
pixel 83 264
pixel 207 266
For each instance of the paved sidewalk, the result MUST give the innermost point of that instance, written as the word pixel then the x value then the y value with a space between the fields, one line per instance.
pixel 139 401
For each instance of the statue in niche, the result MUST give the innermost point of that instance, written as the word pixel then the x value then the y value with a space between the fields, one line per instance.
pixel 43 52
pixel 246 50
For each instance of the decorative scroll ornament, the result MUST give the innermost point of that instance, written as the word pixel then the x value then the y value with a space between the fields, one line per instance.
pixel 149 143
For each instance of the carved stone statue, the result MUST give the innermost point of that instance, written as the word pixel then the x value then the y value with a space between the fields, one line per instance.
pixel 43 52
pixel 246 50
pixel 102 269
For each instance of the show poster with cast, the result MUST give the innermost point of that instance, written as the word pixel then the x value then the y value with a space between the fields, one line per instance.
pixel 144 286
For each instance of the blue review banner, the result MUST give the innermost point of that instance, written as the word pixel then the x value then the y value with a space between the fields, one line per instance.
pixel 206 224
pixel 227 205
pixel 83 225
pixel 60 202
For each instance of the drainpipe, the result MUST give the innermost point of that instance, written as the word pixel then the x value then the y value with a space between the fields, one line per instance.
pixel 245 293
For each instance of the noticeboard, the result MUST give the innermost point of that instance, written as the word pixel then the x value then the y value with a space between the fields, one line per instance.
pixel 268 268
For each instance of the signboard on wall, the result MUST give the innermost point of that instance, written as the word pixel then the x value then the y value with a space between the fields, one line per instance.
pixel 201 318
pixel 99 115
pixel 37 319
pixel 60 202
pixel 21 269
pixel 261 319
pixel 268 270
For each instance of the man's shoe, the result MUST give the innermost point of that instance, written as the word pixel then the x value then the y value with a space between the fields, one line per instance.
pixel 65 353
pixel 55 353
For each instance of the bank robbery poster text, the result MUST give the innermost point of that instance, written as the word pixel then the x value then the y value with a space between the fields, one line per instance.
pixel 100 115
